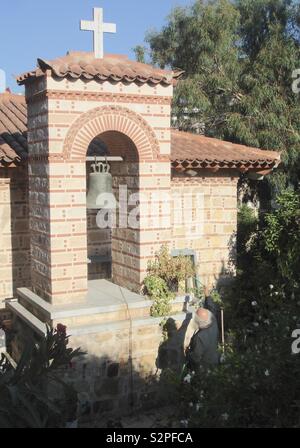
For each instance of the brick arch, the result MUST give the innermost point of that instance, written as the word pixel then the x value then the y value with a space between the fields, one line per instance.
pixel 110 118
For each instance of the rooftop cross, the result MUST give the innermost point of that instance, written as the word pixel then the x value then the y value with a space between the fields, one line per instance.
pixel 99 28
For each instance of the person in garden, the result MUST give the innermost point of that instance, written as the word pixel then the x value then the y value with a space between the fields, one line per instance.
pixel 203 346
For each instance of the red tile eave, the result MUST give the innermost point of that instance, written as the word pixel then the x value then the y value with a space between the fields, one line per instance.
pixel 12 164
pixel 29 77
pixel 194 151
pixel 183 165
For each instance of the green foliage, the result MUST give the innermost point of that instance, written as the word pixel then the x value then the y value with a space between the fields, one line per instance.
pixel 172 270
pixel 257 384
pixel 247 218
pixel 165 274
pixel 268 254
pixel 199 294
pixel 139 51
pixel 238 59
pixel 258 19
pixel 282 236
pixel 247 226
pixel 160 294
pixel 216 297
pixel 25 401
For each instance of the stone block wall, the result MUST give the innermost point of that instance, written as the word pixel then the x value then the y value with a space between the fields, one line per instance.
pixel 70 99
pixel 57 191
pixel 122 368
pixel 211 224
pixel 64 117
pixel 14 232
pixel 132 248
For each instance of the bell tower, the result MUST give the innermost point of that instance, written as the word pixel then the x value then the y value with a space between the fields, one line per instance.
pixel 71 101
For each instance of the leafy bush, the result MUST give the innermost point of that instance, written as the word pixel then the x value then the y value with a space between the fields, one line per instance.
pixel 270 256
pixel 164 276
pixel 25 398
pixel 247 225
pixel 172 270
pixel 160 294
pixel 257 384
pixel 282 236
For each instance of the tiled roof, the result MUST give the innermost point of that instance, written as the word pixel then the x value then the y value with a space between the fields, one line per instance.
pixel 197 151
pixel 13 128
pixel 111 67
pixel 187 150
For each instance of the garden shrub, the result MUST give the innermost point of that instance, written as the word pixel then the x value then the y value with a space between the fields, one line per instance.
pixel 172 270
pixel 160 294
pixel 25 401
pixel 164 276
pixel 258 382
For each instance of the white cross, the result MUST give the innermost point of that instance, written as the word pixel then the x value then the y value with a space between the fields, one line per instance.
pixel 99 28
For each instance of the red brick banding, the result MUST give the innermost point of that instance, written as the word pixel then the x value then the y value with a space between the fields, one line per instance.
pixel 107 119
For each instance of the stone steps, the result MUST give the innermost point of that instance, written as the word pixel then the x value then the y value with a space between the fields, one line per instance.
pixel 26 316
pixel 108 305
pixel 91 328
pixel 117 313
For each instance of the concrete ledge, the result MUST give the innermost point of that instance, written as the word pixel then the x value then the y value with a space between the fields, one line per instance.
pixel 90 307
pixel 41 328
pixel 76 310
pixel 38 326
pixel 35 300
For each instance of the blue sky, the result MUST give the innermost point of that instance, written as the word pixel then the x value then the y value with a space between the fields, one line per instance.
pixel 49 28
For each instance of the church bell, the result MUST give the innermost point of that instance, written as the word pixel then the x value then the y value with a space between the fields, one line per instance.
pixel 100 186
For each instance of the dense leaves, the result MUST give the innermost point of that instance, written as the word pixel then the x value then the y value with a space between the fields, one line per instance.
pixel 166 275
pixel 239 59
pixel 33 395
pixel 172 270
pixel 282 237
pixel 159 293
pixel 257 384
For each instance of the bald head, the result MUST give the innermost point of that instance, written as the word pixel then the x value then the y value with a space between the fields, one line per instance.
pixel 202 313
pixel 203 318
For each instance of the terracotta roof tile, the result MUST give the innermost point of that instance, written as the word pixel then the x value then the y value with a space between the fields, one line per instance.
pixel 111 67
pixel 193 150
pixel 13 128
pixel 187 150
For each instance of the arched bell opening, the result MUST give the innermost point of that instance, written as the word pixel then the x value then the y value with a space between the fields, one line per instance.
pixel 105 246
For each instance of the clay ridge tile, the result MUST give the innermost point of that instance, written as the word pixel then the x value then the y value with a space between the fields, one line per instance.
pixel 113 67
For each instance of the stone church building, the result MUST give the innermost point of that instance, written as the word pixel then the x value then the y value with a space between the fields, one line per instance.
pixel 56 264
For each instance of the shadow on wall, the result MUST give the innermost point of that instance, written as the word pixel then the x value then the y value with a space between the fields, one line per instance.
pixel 171 351
pixel 227 272
pixel 115 385
pixel 109 390
pixel 20 233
